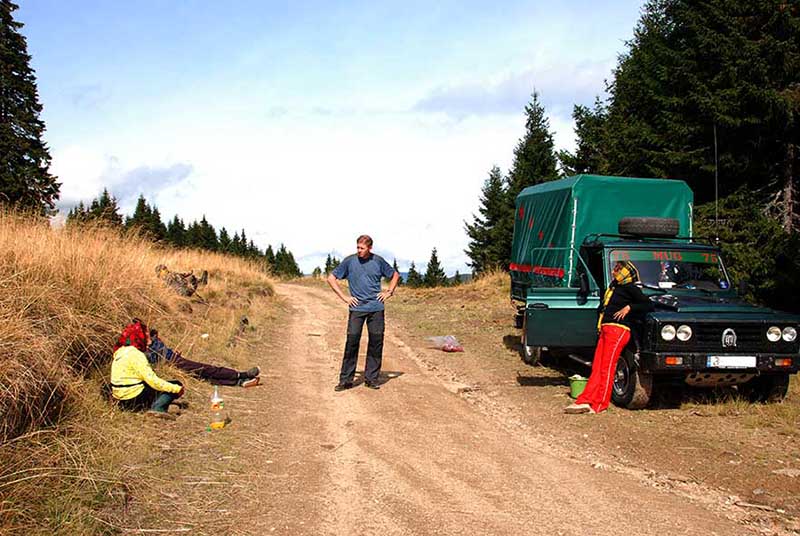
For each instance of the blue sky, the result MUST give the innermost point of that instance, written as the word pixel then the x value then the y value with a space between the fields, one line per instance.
pixel 310 123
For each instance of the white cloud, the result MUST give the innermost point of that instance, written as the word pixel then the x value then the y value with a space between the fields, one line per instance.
pixel 315 180
pixel 80 171
pixel 409 180
pixel 560 86
pixel 84 173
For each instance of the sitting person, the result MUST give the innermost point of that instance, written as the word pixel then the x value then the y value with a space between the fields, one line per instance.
pixel 134 384
pixel 157 350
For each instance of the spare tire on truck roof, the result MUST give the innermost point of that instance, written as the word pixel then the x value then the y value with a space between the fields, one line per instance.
pixel 660 227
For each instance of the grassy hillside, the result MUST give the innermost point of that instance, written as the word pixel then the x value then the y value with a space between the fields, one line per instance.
pixel 65 294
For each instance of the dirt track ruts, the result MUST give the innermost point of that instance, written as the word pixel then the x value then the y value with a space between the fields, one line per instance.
pixel 415 458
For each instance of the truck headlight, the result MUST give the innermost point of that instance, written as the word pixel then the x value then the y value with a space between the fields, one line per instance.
pixel 789 334
pixel 668 332
pixel 684 333
pixel 774 334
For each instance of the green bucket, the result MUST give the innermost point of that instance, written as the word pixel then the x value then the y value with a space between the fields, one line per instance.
pixel 577 383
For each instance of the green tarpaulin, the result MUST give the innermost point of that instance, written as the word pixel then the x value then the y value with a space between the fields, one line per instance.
pixel 553 219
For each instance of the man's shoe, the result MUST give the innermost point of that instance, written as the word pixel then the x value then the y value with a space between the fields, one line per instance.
pixel 252 372
pixel 372 385
pixel 161 415
pixel 252 382
pixel 343 386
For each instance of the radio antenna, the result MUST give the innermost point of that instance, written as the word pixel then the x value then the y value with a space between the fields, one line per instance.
pixel 716 187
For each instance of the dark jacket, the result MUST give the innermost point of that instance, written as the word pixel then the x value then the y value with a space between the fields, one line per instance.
pixel 623 295
pixel 158 351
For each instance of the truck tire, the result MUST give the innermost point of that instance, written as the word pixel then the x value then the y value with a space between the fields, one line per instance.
pixel 632 389
pixel 531 355
pixel 767 388
pixel 660 227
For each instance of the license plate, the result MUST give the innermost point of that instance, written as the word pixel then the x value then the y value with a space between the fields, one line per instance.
pixel 731 361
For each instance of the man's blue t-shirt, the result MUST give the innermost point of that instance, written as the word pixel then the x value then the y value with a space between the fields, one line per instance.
pixel 364 278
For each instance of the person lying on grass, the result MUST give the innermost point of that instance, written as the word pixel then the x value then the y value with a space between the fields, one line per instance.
pixel 134 384
pixel 157 351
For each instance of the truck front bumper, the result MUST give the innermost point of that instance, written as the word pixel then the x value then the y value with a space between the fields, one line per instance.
pixel 671 362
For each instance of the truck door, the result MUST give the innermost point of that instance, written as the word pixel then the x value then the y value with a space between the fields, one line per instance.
pixel 564 316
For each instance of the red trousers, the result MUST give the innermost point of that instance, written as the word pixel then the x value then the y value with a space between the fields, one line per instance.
pixel 612 341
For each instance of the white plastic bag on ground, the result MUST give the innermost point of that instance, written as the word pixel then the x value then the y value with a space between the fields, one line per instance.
pixel 446 343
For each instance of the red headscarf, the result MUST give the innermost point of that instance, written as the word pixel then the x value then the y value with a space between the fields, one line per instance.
pixel 134 334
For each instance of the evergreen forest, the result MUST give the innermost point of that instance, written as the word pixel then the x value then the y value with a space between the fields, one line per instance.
pixel 706 92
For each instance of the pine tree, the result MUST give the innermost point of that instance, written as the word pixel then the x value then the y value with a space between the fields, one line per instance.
pixel 434 275
pixel 25 179
pixel 456 278
pixel 269 258
pixel 744 228
pixel 485 248
pixel 142 216
pixel 241 248
pixel 176 232
pixel 317 273
pixel 224 241
pixel 104 209
pixel 328 264
pixel 590 130
pixel 293 269
pixel 208 235
pixel 285 265
pixel 534 163
pixel 156 226
pixel 413 279
pixel 252 250
pixel 534 157
pixel 77 215
pixel 236 244
pixel 396 269
pixel 194 236
pixel 693 68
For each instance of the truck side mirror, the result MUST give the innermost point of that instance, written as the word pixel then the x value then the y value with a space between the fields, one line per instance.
pixel 583 281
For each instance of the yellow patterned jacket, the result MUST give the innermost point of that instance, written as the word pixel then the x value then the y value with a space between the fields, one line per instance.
pixel 130 371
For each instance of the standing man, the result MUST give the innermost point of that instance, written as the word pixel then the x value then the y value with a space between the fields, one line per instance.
pixel 363 272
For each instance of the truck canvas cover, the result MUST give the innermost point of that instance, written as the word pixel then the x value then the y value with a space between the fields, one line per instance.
pixel 553 219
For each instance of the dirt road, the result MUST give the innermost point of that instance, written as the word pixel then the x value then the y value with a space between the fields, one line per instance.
pixel 415 457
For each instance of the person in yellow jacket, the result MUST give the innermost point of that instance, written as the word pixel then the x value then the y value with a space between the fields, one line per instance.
pixel 134 384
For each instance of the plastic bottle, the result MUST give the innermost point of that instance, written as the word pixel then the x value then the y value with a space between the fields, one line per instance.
pixel 217 420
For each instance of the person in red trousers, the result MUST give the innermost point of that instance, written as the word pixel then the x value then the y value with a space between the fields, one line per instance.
pixel 623 302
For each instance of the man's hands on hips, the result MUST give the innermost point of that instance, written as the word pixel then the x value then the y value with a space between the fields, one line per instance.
pixel 382 296
pixel 351 301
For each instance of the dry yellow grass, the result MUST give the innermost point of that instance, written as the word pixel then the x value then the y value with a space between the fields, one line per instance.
pixel 65 294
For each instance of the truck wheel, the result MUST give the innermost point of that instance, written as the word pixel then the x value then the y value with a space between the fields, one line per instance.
pixel 766 388
pixel 632 389
pixel 664 227
pixel 531 355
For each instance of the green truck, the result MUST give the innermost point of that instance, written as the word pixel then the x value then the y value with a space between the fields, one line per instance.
pixel 567 236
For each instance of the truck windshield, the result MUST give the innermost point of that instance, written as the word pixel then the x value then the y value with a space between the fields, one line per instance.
pixel 675 268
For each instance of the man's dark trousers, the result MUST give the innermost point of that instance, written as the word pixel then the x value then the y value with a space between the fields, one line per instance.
pixel 355 325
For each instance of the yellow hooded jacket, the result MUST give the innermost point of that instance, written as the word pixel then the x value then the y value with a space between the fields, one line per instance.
pixel 130 371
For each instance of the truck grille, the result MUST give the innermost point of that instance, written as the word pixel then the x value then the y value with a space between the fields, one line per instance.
pixel 707 337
